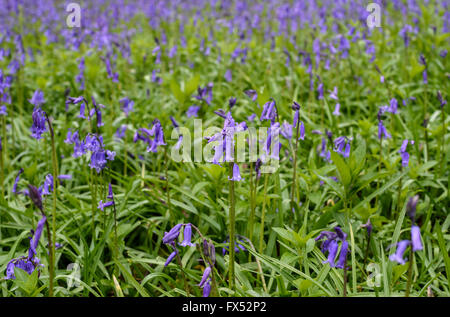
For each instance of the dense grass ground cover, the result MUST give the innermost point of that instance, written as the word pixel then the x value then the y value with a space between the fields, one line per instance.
pixel 340 98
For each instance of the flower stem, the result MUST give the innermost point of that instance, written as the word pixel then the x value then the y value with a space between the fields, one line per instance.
pixel 352 246
pixel 231 229
pixel 186 287
pixel 294 175
pixel 166 164
pixel 344 286
pixel 263 213
pixel 252 204
pixel 408 283
pixel 55 184
pixel 442 140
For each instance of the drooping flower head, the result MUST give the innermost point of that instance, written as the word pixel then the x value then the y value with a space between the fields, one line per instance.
pixel 340 143
pixel 27 263
pixel 39 119
pixel 38 98
pixel 331 245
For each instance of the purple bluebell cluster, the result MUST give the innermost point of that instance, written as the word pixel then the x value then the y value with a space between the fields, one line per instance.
pixel 331 245
pixel 342 146
pixel 224 150
pixel 145 135
pixel 205 93
pixel 171 237
pixel 28 263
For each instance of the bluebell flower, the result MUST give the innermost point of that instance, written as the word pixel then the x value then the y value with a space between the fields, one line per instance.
pixel 252 94
pixel 187 236
pixel 207 288
pixel 171 257
pixel 416 239
pixel 102 205
pixel 38 127
pixel 411 207
pixel 340 143
pixel 192 111
pixel 48 185
pixel 205 276
pixel 120 132
pixel 403 153
pixel 269 111
pixel 236 174
pixel 38 98
pixel 205 94
pixel 442 101
pixel 382 131
pixel 232 102
pixel 27 263
pixel 251 117
pixel 331 245
pixel 228 75
pixel 398 255
pixel 336 111
pixel 127 105
pixel 334 93
pixel 170 236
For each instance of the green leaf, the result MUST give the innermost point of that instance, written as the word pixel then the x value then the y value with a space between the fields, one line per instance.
pixel 443 247
pixel 176 90
pixel 343 169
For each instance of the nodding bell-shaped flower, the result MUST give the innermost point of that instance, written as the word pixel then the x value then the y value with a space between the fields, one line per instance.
pixel 398 255
pixel 415 238
pixel 236 174
pixel 38 127
pixel 187 236
pixel 205 276
pixel 170 236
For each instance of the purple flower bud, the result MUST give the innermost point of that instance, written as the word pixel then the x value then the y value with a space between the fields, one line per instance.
pixel 368 226
pixel 170 258
pixel 16 181
pixel 35 196
pixel 411 207
pixel 205 276
pixel 232 102
pixel 442 101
